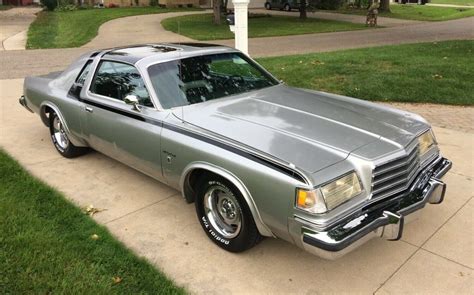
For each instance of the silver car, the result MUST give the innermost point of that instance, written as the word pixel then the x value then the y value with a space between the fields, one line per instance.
pixel 256 157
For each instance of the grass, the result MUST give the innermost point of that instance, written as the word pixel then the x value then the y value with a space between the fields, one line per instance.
pixel 46 245
pixel 200 27
pixel 423 73
pixel 454 2
pixel 76 28
pixel 5 7
pixel 418 12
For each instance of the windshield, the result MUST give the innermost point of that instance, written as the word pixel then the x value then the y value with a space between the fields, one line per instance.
pixel 202 78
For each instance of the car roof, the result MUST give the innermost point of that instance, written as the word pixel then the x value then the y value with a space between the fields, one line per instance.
pixel 153 53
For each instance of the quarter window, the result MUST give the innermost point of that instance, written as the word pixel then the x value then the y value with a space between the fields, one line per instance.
pixel 81 79
pixel 117 80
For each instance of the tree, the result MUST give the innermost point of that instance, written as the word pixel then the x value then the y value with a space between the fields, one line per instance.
pixel 384 6
pixel 216 6
pixel 303 9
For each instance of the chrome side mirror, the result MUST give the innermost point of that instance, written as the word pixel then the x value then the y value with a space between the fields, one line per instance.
pixel 133 101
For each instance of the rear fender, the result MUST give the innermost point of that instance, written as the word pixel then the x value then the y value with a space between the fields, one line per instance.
pixel 45 107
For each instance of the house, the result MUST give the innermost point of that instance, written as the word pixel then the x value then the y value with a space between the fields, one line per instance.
pixel 164 3
pixel 17 2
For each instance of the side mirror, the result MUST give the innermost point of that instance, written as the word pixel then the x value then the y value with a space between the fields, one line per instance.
pixel 133 101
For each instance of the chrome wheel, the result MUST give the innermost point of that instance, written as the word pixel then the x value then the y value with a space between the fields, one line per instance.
pixel 59 134
pixel 223 211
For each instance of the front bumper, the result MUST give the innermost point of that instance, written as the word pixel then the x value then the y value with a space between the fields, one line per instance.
pixel 383 218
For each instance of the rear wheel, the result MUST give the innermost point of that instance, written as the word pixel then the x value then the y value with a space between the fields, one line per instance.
pixel 268 6
pixel 287 7
pixel 224 215
pixel 60 139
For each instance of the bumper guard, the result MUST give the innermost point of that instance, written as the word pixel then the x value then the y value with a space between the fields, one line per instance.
pixel 385 219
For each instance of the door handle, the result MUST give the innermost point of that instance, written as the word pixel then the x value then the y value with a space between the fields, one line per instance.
pixel 89 109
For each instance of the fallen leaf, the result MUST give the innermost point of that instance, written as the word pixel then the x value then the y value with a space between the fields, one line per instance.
pixel 117 280
pixel 91 210
pixel 437 76
pixel 95 237
pixel 317 62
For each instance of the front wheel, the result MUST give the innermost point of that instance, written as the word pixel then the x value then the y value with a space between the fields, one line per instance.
pixel 268 6
pixel 225 216
pixel 287 7
pixel 60 139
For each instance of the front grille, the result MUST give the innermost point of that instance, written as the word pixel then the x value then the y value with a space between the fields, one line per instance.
pixel 396 175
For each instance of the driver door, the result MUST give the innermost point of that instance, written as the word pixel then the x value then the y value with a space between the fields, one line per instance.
pixel 127 134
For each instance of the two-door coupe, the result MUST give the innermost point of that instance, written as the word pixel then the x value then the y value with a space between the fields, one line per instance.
pixel 258 158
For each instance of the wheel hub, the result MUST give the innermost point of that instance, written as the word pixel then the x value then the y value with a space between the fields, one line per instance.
pixel 223 211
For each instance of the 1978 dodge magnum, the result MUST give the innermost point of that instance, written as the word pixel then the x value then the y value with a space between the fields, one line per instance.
pixel 258 158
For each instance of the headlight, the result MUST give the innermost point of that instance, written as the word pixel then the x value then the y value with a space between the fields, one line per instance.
pixel 330 195
pixel 426 141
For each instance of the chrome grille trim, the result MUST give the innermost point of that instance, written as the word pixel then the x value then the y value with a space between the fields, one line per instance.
pixel 396 175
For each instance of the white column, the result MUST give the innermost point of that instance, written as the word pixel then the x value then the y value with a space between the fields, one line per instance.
pixel 241 24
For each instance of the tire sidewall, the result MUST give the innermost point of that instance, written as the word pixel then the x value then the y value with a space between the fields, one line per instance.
pixel 61 150
pixel 239 242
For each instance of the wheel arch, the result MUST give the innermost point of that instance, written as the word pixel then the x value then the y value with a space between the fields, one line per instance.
pixel 46 108
pixel 195 170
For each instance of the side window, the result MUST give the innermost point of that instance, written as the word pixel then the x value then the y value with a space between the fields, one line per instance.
pixel 117 80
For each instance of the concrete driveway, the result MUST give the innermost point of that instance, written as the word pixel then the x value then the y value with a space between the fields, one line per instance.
pixel 436 253
pixel 14 25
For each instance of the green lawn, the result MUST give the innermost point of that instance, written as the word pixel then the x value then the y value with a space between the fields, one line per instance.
pixel 454 2
pixel 76 28
pixel 419 12
pixel 200 27
pixel 425 73
pixel 5 7
pixel 46 245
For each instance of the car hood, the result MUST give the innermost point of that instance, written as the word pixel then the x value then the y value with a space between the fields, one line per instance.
pixel 309 129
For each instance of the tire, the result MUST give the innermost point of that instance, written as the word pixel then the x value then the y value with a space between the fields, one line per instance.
pixel 287 7
pixel 268 6
pixel 216 197
pixel 60 140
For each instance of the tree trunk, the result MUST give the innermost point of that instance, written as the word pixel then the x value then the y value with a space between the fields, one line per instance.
pixel 216 6
pixel 303 9
pixel 384 6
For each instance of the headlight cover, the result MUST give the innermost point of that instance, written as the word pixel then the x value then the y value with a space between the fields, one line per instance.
pixel 329 196
pixel 426 141
pixel 341 190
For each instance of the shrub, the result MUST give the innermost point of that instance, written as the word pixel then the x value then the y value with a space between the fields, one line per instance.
pixel 327 4
pixel 153 2
pixel 67 7
pixel 49 4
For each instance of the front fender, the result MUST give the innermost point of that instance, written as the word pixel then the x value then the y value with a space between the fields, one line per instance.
pixel 184 182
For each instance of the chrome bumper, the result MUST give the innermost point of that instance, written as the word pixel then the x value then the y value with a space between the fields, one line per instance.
pixel 381 219
pixel 23 102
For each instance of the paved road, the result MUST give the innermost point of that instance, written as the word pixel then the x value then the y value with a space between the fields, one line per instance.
pixel 435 254
pixel 18 64
pixel 14 24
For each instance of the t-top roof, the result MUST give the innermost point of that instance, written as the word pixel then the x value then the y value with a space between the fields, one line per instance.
pixel 132 54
